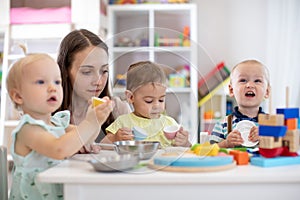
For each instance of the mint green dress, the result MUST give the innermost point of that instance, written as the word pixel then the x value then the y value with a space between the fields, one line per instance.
pixel 24 185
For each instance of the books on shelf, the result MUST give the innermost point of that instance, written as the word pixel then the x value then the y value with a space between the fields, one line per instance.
pixel 215 77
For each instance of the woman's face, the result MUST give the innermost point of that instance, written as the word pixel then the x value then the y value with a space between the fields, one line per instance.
pixel 89 73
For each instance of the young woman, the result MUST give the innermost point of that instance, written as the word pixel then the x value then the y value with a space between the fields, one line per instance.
pixel 83 60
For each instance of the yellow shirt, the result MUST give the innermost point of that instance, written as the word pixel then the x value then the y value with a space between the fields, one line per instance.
pixel 153 127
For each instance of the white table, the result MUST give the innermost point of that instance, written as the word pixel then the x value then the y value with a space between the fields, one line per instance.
pixel 242 182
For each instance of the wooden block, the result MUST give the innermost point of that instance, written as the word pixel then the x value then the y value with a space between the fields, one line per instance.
pixel 271 120
pixel 241 157
pixel 291 123
pixel 275 131
pixel 288 112
pixel 269 142
pixel 273 162
pixel 291 140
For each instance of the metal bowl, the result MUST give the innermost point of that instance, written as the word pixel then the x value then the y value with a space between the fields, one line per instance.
pixel 143 149
pixel 115 163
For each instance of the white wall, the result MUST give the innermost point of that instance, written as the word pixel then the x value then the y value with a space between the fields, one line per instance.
pixel 235 30
pixel 231 31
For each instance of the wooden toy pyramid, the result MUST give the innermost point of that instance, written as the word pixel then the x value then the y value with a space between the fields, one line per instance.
pixel 279 138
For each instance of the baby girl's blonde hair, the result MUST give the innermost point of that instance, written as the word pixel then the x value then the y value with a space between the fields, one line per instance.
pixel 17 72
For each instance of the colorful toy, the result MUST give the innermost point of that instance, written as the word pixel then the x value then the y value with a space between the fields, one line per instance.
pixel 182 40
pixel 241 157
pixel 177 80
pixel 206 149
pixel 279 138
pixel 210 81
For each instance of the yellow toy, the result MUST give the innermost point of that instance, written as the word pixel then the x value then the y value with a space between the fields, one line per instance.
pixel 206 149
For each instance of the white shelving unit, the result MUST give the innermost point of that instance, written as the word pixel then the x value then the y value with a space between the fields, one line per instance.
pixel 132 33
pixel 44 37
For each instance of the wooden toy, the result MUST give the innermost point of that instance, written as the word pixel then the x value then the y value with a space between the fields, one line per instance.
pixel 273 162
pixel 206 149
pixel 291 123
pixel 270 142
pixel 199 158
pixel 241 157
pixel 270 153
pixel 271 120
pixel 193 161
pixel 274 131
pixel 278 142
pixel 288 112
pixel 291 140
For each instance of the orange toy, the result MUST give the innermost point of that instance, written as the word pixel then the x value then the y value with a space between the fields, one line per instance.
pixel 241 157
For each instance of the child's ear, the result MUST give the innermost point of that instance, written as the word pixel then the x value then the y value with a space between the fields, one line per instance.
pixel 129 96
pixel 230 90
pixel 268 92
pixel 16 97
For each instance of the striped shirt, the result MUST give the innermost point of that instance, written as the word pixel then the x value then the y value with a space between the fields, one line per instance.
pixel 219 132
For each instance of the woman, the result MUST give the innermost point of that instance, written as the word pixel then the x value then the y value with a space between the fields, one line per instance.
pixel 83 60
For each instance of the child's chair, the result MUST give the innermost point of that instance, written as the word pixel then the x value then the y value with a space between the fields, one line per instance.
pixel 3 173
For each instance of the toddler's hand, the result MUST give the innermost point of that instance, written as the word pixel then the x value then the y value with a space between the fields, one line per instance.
pixel 90 148
pixel 253 136
pixel 234 138
pixel 182 138
pixel 100 113
pixel 124 134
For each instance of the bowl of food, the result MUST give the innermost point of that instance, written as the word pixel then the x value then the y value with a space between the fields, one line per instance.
pixel 115 163
pixel 143 149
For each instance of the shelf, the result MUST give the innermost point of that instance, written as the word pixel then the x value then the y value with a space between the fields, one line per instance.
pixel 155 49
pixel 169 90
pixel 39 31
pixel 13 57
pixel 11 123
pixel 213 92
pixel 133 31
pixel 43 35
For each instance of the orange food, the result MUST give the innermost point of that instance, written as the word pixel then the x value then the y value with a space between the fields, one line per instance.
pixel 96 101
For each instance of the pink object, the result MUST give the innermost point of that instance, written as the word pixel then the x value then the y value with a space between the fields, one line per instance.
pixel 171 131
pixel 26 15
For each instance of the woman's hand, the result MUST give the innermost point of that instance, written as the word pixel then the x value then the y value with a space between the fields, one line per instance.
pixel 182 138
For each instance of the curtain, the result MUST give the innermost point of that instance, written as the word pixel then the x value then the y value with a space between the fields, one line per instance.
pixel 283 52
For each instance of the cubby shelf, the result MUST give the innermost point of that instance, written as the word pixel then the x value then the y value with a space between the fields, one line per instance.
pixel 132 36
pixel 38 37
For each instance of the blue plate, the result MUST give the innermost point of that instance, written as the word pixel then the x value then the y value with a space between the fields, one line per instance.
pixel 208 161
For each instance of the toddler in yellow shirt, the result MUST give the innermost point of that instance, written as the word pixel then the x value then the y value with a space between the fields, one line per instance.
pixel 146 91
